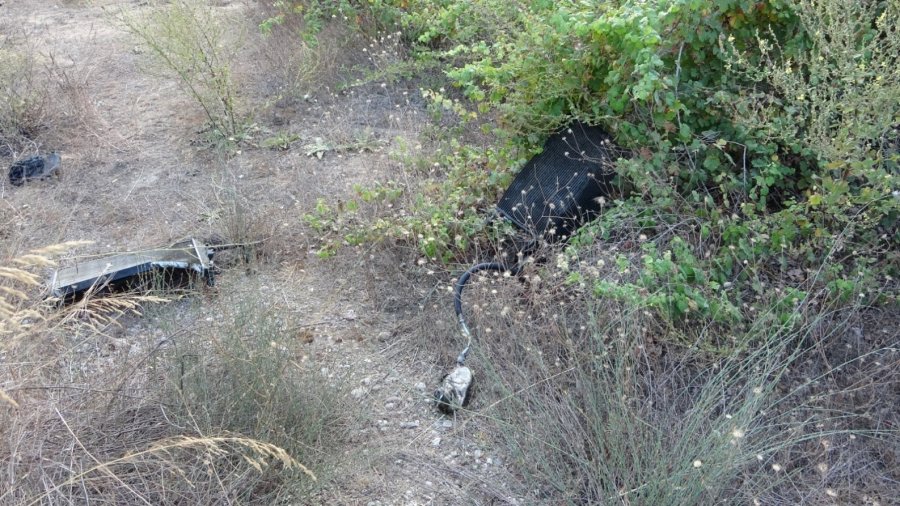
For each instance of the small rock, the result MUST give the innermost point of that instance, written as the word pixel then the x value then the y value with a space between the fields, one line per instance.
pixel 436 442
pixel 447 424
pixel 420 386
pixel 358 393
pixel 477 454
pixel 409 425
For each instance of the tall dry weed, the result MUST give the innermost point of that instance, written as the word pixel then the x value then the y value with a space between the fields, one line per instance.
pixel 85 422
pixel 24 95
pixel 196 44
pixel 598 404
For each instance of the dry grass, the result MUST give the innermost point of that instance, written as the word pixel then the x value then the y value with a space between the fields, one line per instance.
pixel 291 67
pixel 46 103
pixel 75 117
pixel 19 284
pixel 24 95
pixel 192 417
pixel 598 406
pixel 99 404
pixel 197 45
pixel 201 470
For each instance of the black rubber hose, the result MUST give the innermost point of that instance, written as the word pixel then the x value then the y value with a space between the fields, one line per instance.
pixel 457 302
pixel 461 282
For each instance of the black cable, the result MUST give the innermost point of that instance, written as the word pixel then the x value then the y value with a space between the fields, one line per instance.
pixel 461 282
pixel 457 298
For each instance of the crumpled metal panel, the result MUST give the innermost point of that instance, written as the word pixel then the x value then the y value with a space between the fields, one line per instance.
pixel 189 255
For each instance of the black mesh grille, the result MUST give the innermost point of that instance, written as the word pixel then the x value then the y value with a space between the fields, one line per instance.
pixel 559 188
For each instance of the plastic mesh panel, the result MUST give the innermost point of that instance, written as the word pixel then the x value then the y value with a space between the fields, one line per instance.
pixel 559 188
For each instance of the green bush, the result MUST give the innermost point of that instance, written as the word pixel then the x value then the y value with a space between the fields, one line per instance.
pixel 763 138
pixel 369 16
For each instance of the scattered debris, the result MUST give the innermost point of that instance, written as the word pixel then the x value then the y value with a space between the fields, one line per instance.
pixel 553 195
pixel 185 257
pixel 306 336
pixel 36 167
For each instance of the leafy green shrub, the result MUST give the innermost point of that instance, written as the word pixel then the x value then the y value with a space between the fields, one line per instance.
pixel 444 219
pixel 763 139
pixel 835 102
pixel 367 16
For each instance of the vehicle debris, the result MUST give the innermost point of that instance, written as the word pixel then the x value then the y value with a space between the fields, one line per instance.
pixel 190 257
pixel 34 168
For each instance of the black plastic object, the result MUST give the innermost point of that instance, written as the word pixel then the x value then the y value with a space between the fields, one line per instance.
pixel 559 189
pixel 36 167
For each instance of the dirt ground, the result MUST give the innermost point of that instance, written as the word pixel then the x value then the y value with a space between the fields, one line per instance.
pixel 134 176
pixel 136 173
